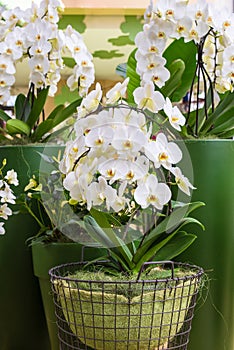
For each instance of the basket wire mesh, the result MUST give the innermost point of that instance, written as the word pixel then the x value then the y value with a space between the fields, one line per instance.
pixel 150 314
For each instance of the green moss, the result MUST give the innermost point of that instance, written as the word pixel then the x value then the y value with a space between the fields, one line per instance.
pixel 121 284
pixel 107 318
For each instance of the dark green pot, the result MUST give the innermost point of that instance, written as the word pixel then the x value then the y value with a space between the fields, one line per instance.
pixel 46 256
pixel 213 166
pixel 22 319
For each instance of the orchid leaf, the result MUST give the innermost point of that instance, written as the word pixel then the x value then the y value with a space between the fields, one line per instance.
pixel 178 49
pixel 177 245
pixel 65 113
pixel 168 227
pixel 113 239
pixel 4 116
pixel 134 81
pixel 42 129
pixel 38 107
pixel 22 107
pixel 225 106
pixel 16 126
pixel 176 69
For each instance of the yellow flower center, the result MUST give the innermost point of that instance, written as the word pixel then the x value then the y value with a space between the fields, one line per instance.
pixel 99 141
pixel 127 144
pixel 226 24
pixel 155 78
pixel 161 35
pixel 152 198
pixel 130 175
pixel 110 172
pixel 19 43
pixel 2 83
pixel 163 156
pixel 174 119
pixel 180 29
pixel 151 66
pixel 169 13
pixel 153 49
pixel 199 14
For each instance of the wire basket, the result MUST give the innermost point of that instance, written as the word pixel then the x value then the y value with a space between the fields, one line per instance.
pixel 125 315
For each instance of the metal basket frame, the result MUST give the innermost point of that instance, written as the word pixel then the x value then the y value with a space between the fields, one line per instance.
pixel 159 318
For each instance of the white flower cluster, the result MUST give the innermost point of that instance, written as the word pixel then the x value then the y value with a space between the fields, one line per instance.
pixel 114 162
pixel 170 20
pixel 6 194
pixel 33 34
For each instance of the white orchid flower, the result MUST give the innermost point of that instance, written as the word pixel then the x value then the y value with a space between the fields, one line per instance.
pixel 7 195
pixel 176 118
pixel 146 98
pixel 128 139
pixel 11 177
pixel 100 192
pixel 120 201
pixel 99 137
pixel 162 152
pixel 91 102
pixel 5 211
pixel 117 92
pixel 182 181
pixel 74 150
pixel 2 230
pixel 151 192
pixel 170 10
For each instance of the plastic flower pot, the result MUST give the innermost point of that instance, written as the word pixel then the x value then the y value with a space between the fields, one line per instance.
pixel 45 256
pixel 22 319
pixel 149 314
pixel 213 165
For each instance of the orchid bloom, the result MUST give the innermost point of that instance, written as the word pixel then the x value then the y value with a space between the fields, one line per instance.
pixel 175 117
pixel 151 192
pixel 146 98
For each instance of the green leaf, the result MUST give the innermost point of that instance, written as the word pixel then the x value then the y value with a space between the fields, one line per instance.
pixel 134 81
pixel 55 111
pixel 174 219
pixel 42 129
pixel 22 107
pixel 175 246
pixel 96 232
pixel 16 126
pixel 225 106
pixel 148 254
pixel 169 226
pixel 226 123
pixel 227 134
pixel 120 245
pixel 38 107
pixel 178 49
pixel 176 69
pixel 4 116
pixel 64 114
